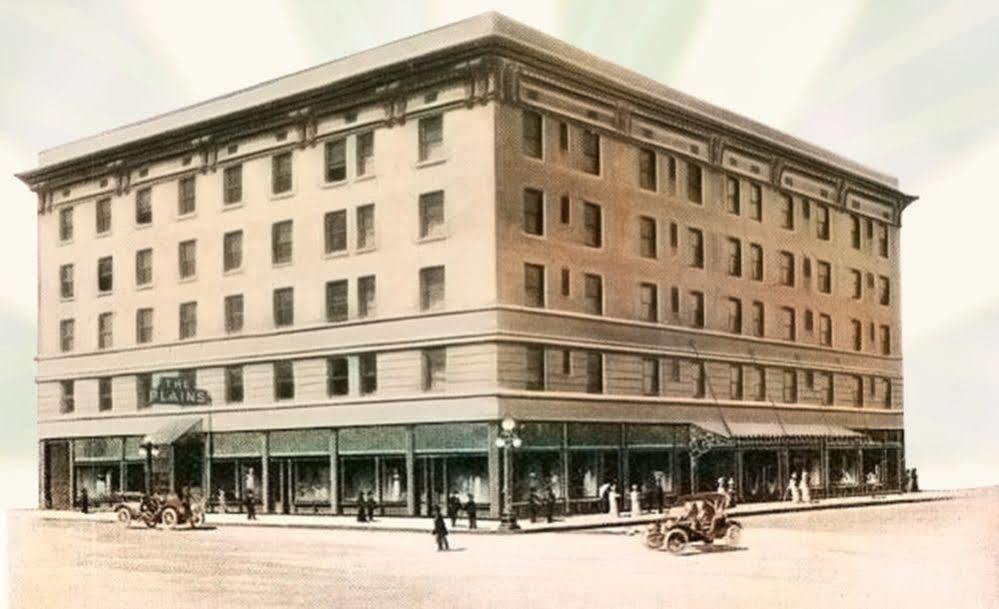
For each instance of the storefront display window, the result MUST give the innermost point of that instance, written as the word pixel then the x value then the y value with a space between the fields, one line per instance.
pixel 100 480
pixel 312 481
pixel 393 478
pixel 538 471
pixel 807 462
pixel 358 476
pixel 873 472
pixel 843 467
pixel 589 470
pixel 651 468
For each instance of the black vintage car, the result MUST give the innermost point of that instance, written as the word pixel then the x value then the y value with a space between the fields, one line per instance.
pixel 152 510
pixel 693 518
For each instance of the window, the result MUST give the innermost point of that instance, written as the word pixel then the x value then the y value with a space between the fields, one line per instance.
pixel 143 385
pixel 697 309
pixel 366 294
pixel 336 160
pixel 858 334
pixel 700 380
pixel 824 277
pixel 674 300
pixel 806 209
pixel 855 232
pixel 825 330
pixel 647 169
pixel 187 260
pixel 67 335
pixel 434 369
pixel 144 206
pixel 432 288
pixel 566 209
pixel 188 320
pixel 144 267
pixel 790 386
pixel 885 340
pixel 563 137
pixel 758 319
pixel 883 241
pixel 66 281
pixel 284 307
pixel 337 376
pixel 787 269
pixel 365 153
pixel 143 325
pixel 858 391
pixel 532 131
pixel 806 268
pixel 755 262
pixel 671 175
pixel 336 300
pixel 590 149
pixel 756 202
pixel 104 399
pixel 647 237
pixel 674 236
pixel 734 257
pixel 281 173
pixel 431 136
pixel 233 313
pixel 534 212
pixel 761 385
pixel 870 228
pixel 232 251
pixel 858 284
pixel 232 184
pixel 592 225
pixel 233 384
pixel 884 293
pixel 367 365
pixel 650 376
pixel 105 330
pixel 366 226
pixel 103 216
pixel 809 320
pixel 105 274
pixel 732 200
pixel 281 242
pixel 284 381
pixel 694 188
pixel 886 383
pixel 789 324
pixel 822 222
pixel 66 224
pixel 787 211
pixel 735 315
pixel 594 372
pixel 534 285
pixel 648 302
pixel 828 389
pixel 593 290
pixel 335 231
pixel 431 215
pixel 566 284
pixel 674 370
pixel 66 398
pixel 735 381
pixel 695 241
pixel 185 196
pixel 534 365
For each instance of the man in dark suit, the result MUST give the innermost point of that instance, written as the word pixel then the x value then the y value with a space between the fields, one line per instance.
pixel 362 508
pixel 251 505
pixel 453 507
pixel 84 501
pixel 550 504
pixel 470 509
pixel 371 506
pixel 440 530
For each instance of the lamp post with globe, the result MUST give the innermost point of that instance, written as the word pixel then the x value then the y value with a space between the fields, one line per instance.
pixel 508 440
pixel 151 451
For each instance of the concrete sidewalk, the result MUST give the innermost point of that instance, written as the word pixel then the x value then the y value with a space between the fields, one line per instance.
pixel 572 523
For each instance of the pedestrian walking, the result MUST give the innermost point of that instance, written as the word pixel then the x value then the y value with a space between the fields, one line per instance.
pixel 84 501
pixel 602 492
pixel 806 492
pixel 550 504
pixel 251 505
pixel 792 488
pixel 612 499
pixel 222 505
pixel 636 501
pixel 658 494
pixel 731 492
pixel 723 490
pixel 471 510
pixel 533 503
pixel 440 530
pixel 371 505
pixel 362 508
pixel 915 481
pixel 453 507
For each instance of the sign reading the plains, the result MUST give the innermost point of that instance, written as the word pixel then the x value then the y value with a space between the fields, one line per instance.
pixel 172 390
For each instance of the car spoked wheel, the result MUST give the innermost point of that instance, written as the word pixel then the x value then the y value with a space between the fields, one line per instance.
pixel 676 541
pixel 124 516
pixel 197 519
pixel 733 534
pixel 169 517
pixel 654 540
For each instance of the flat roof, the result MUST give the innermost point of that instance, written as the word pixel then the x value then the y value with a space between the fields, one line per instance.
pixel 484 26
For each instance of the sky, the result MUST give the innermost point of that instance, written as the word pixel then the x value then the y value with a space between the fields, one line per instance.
pixel 907 87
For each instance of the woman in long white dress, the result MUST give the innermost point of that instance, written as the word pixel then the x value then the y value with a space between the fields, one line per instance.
pixel 806 495
pixel 612 497
pixel 635 500
pixel 792 487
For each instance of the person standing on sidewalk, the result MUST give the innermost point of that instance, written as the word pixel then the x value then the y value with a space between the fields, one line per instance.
pixel 612 498
pixel 635 498
pixel 222 506
pixel 371 505
pixel 453 507
pixel 550 504
pixel 251 505
pixel 806 492
pixel 471 510
pixel 84 501
pixel 658 494
pixel 362 508
pixel 792 488
pixel 440 530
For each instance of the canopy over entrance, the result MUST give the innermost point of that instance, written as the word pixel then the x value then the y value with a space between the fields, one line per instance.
pixel 172 430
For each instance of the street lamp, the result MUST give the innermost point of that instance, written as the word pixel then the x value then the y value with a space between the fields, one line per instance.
pixel 508 440
pixel 151 451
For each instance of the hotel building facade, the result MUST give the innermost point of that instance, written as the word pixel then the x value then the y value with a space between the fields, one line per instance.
pixel 367 265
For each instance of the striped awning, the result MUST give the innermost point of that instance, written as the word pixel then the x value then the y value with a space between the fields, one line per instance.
pixel 172 430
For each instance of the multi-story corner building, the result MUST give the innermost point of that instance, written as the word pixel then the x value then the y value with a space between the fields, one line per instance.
pixel 368 264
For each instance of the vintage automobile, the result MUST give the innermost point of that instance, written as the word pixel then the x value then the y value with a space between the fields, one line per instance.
pixel 693 518
pixel 152 510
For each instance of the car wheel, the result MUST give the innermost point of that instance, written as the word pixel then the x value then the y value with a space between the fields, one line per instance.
pixel 197 519
pixel 150 522
pixel 654 540
pixel 124 516
pixel 169 517
pixel 676 541
pixel 733 534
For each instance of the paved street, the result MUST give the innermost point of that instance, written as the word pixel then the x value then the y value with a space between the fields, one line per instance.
pixel 938 554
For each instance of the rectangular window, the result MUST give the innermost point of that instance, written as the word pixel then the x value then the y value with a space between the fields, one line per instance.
pixel 789 325
pixel 281 173
pixel 593 290
pixel 335 231
pixel 786 211
pixel 281 244
pixel 648 302
pixel 650 376
pixel 858 284
pixel 67 335
pixel 590 152
pixel 885 340
pixel 883 241
pixel 144 267
pixel 855 232
pixel 884 292
pixel 187 258
pixel 732 199
pixel 755 262
pixel 284 307
pixel 366 294
pixel 858 334
pixel 735 315
pixel 143 325
pixel 700 380
pixel 67 402
pixel 759 319
pixel 671 175
pixel 432 214
pixel 105 330
pixel 66 285
pixel 674 369
pixel 695 242
pixel 822 222
pixel 760 375
pixel 594 372
pixel 566 209
pixel 143 385
pixel 186 203
pixel 434 369
pixel 534 285
pixel 694 184
pixel 674 300
pixel 337 376
pixel 886 383
pixel 734 257
pixel 66 224
pixel 284 381
pixel 432 288
pixel 756 202
pixel 592 225
pixel 366 226
pixel 103 216
pixel 790 386
pixel 647 240
pixel 367 364
pixel 809 320
pixel 563 137
pixel 232 250
pixel 144 206
pixel 787 269
pixel 532 134
pixel 825 330
pixel 566 282
pixel 858 391
pixel 104 399
pixel 735 381
pixel 188 320
pixel 336 160
pixel 674 236
pixel 233 384
pixel 534 212
pixel 647 169
pixel 232 184
pixel 365 153
pixel 824 277
pixel 534 365
pixel 233 313
pixel 431 134
pixel 105 274
pixel 336 300
pixel 697 309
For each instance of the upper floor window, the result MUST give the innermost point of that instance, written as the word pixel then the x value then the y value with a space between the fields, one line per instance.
pixel 144 206
pixel 186 196
pixel 734 257
pixel 365 153
pixel 647 177
pixel 824 276
pixel 590 152
pixel 143 386
pixel 66 224
pixel 822 222
pixel 593 292
pixel 335 231
pixel 143 325
pixel 884 292
pixel 858 391
pixel 232 250
pixel 432 214
pixel 105 274
pixel 732 199
pixel 858 334
pixel 284 307
pixel 532 134
pixel 366 226
pixel 187 260
pixel 188 320
pixel 432 288
pixel 534 365
pixel 281 243
pixel 104 394
pixel 885 340
pixel 232 184
pixel 284 381
pixel 695 240
pixel 790 386
pixel 756 202
pixel 366 296
pixel 367 364
pixel 700 380
pixel 592 225
pixel 102 214
pixel 336 160
pixel 825 330
pixel 671 175
pixel 647 237
pixel 883 240
pixel 534 212
pixel 281 173
pixel 735 381
pixel 336 300
pixel 858 283
pixel 695 187
pixel 66 284
pixel 755 262
pixel 67 401
pixel 233 384
pixel 434 369
pixel 735 315
pixel 233 306
pixel 534 285
pixel 787 269
pixel 431 133
pixel 758 319
pixel 855 232
pixel 144 267
pixel 105 330
pixel 648 302
pixel 650 376
pixel 697 309
pixel 67 335
pixel 787 211
pixel 594 372
pixel 790 327
pixel 337 376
